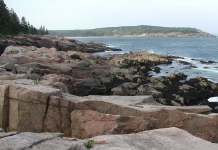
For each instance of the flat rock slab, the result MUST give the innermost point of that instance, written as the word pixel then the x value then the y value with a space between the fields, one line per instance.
pixel 56 144
pixel 5 134
pixel 160 139
pixel 142 103
pixel 25 140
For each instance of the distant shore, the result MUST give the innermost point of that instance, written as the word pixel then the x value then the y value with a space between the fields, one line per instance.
pixel 134 36
pixel 135 31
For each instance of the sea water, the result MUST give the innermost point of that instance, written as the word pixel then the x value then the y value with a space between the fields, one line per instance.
pixel 193 50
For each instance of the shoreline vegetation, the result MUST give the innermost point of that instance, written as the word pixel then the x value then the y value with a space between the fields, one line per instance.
pixel 134 31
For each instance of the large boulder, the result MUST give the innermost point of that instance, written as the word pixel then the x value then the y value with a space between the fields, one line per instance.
pixel 63 82
pixel 89 123
pixel 90 86
pixel 8 64
pixel 147 90
pixel 127 89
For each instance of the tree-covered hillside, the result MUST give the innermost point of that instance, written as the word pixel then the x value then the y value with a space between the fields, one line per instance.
pixel 10 24
pixel 127 30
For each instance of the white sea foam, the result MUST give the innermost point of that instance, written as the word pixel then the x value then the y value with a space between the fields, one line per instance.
pixel 204 67
pixel 213 99
pixel 212 80
pixel 112 46
pixel 151 51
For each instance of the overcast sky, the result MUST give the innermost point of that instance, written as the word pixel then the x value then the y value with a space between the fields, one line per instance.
pixel 87 14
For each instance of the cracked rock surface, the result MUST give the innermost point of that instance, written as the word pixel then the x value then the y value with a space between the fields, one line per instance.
pixel 160 139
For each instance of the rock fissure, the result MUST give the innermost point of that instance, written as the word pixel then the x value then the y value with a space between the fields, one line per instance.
pixel 38 143
pixel 45 114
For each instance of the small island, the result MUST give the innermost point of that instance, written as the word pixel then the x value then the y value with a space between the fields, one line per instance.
pixel 134 31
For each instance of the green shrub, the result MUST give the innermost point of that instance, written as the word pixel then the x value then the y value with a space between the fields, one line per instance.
pixel 88 144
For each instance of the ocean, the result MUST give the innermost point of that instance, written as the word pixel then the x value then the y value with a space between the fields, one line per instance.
pixel 196 51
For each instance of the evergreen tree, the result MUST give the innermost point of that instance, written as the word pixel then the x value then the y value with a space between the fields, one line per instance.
pixel 46 32
pixel 42 30
pixel 14 23
pixel 4 18
pixel 32 30
pixel 10 23
pixel 24 25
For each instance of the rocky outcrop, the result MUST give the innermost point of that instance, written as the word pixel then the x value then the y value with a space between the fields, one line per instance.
pixel 36 108
pixel 89 123
pixel 61 44
pixel 177 90
pixel 169 138
pixel 85 74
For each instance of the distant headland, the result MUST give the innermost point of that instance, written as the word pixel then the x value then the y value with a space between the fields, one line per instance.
pixel 135 31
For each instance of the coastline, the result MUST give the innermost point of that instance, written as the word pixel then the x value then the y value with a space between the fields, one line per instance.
pixel 129 36
pixel 65 89
pixel 133 73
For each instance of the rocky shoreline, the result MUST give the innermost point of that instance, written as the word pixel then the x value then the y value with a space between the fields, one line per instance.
pixel 60 43
pixel 74 70
pixel 48 87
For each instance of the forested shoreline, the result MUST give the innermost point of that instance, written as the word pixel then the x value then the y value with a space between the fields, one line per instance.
pixel 11 24
pixel 141 30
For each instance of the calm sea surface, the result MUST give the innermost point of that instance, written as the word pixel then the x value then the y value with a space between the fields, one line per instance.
pixel 194 50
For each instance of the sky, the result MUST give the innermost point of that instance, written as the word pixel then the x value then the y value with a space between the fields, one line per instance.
pixel 88 14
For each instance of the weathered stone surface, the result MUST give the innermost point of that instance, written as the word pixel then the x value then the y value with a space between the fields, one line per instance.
pixel 38 108
pixel 32 93
pixel 6 134
pixel 86 87
pixel 161 139
pixel 4 106
pixel 89 123
pixel 25 140
pixel 168 138
pixel 203 126
pixel 29 106
pixel 57 144
pixel 57 117
pixel 10 76
pixel 63 82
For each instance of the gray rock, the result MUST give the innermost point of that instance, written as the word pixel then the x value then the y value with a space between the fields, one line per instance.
pixel 128 88
pixel 25 140
pixel 160 139
pixel 120 90
pixel 90 86
pixel 11 50
pixel 6 134
pixel 6 60
pixel 147 90
pixel 56 144
pixel 9 67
